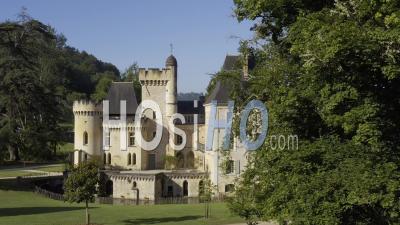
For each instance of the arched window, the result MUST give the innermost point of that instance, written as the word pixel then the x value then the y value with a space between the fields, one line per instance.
pixel 104 159
pixel 129 159
pixel 185 188
pixel 109 159
pixel 85 138
pixel 134 159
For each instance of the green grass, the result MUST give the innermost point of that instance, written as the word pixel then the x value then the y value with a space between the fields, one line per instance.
pixel 20 171
pixel 57 168
pixel 66 147
pixel 21 207
pixel 16 173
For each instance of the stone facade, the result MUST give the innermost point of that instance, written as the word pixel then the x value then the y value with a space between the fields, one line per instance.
pixel 133 172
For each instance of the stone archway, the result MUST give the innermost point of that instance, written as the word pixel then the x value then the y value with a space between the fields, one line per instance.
pixel 185 189
pixel 109 188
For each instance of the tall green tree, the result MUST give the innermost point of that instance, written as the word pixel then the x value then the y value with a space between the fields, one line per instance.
pixel 40 77
pixel 329 73
pixel 30 103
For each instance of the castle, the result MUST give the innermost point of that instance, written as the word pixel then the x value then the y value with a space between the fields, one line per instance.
pixel 135 173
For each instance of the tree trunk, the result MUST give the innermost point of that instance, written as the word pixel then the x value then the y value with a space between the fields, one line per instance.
pixel 205 210
pixel 13 153
pixel 209 210
pixel 87 214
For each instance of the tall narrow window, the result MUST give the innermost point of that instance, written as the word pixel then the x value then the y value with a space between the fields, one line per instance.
pixel 185 188
pixel 131 139
pixel 134 159
pixel 129 159
pixel 230 167
pixel 108 142
pixel 201 188
pixel 179 139
pixel 109 159
pixel 85 138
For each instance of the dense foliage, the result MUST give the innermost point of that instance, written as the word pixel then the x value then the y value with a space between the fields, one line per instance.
pixel 329 72
pixel 40 76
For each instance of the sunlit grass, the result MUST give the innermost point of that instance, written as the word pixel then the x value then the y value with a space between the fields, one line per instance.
pixel 21 207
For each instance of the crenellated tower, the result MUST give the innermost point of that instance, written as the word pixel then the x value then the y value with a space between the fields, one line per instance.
pixel 160 85
pixel 87 130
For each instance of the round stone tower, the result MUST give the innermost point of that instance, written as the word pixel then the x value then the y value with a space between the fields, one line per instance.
pixel 171 89
pixel 87 130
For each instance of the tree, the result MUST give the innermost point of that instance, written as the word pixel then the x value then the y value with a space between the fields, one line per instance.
pixel 81 183
pixel 102 87
pixel 131 74
pixel 40 77
pixel 328 73
pixel 206 193
pixel 30 100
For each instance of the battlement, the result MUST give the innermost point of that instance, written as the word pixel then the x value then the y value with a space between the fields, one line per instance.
pixel 154 74
pixel 87 107
pixel 154 70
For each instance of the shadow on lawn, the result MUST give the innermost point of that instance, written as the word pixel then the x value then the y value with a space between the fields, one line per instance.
pixel 34 210
pixel 160 220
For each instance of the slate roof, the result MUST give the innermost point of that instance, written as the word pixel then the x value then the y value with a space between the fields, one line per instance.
pixel 231 62
pixel 221 92
pixel 122 91
pixel 171 61
pixel 187 107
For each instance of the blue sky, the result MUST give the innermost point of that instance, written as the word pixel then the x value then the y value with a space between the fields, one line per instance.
pixel 121 32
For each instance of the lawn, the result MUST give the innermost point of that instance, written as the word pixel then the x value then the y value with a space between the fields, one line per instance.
pixel 52 168
pixel 32 170
pixel 16 173
pixel 22 207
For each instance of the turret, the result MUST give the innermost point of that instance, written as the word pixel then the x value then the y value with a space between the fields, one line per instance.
pixel 171 95
pixel 87 130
